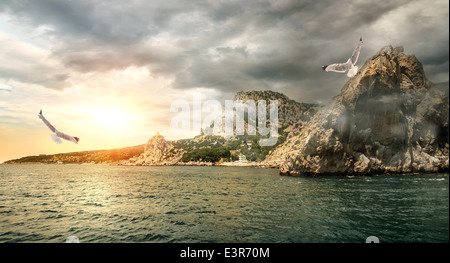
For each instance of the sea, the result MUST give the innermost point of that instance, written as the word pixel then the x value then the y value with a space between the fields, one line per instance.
pixel 197 204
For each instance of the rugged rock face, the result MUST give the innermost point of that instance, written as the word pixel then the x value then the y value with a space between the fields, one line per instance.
pixel 157 152
pixel 289 111
pixel 387 119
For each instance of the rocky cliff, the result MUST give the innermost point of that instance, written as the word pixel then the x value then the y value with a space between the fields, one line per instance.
pixel 157 152
pixel 290 112
pixel 387 119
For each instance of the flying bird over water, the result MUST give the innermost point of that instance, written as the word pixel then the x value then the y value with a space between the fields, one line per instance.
pixel 349 65
pixel 57 134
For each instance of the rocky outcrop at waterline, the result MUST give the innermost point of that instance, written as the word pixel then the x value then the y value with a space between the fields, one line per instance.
pixel 387 119
pixel 157 152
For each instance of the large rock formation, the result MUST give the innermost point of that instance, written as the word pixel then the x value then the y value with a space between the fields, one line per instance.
pixel 387 119
pixel 290 112
pixel 157 152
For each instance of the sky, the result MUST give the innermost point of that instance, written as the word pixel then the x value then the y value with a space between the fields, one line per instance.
pixel 108 71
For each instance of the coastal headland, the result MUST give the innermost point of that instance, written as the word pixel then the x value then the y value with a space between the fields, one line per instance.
pixel 388 119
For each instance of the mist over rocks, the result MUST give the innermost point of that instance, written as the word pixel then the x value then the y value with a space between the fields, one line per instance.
pixel 387 119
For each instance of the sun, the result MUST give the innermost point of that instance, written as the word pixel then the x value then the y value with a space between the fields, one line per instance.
pixel 112 118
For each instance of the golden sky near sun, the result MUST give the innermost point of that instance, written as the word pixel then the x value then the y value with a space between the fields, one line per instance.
pixel 105 110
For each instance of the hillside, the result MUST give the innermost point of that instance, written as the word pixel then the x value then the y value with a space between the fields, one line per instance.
pixel 200 150
pixel 290 112
pixel 95 156
pixel 214 149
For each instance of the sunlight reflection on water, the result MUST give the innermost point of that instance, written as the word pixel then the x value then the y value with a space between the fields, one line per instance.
pixel 100 203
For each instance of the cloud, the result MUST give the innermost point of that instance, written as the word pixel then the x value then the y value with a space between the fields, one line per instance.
pixel 5 87
pixel 28 63
pixel 232 45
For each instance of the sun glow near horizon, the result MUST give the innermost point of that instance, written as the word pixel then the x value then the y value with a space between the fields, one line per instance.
pixel 112 118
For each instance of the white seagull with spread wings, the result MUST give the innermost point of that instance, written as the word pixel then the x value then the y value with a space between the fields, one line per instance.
pixel 57 134
pixel 349 65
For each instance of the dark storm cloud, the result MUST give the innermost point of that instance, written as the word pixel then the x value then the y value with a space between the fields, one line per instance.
pixel 83 22
pixel 235 45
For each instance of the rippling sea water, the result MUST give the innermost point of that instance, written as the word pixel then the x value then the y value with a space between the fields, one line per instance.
pixel 100 203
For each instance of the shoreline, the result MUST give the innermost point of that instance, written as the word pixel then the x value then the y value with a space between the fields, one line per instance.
pixel 249 165
pixel 224 164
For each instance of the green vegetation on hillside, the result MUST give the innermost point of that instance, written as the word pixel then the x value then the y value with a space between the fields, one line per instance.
pixel 96 156
pixel 210 148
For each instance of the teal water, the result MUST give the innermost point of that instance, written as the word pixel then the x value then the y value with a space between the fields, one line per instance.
pixel 100 203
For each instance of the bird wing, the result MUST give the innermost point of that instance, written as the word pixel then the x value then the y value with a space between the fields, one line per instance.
pixel 66 137
pixel 57 133
pixel 339 67
pixel 356 51
pixel 49 125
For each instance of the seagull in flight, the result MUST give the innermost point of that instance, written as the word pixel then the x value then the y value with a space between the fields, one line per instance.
pixel 348 66
pixel 57 134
